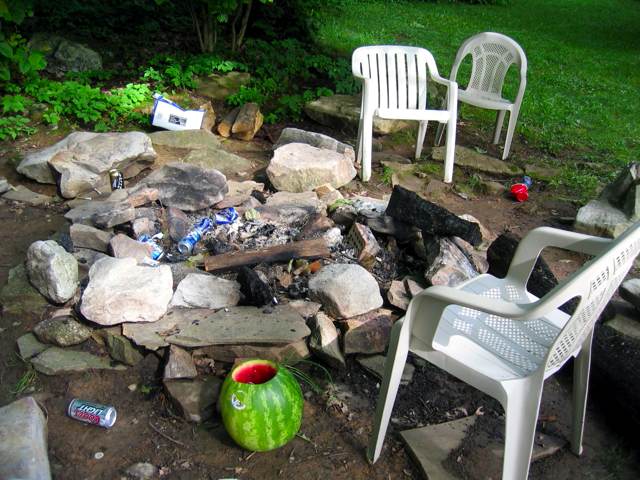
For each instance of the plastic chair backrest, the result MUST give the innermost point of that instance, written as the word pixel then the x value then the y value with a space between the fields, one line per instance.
pixel 492 54
pixel 595 283
pixel 399 74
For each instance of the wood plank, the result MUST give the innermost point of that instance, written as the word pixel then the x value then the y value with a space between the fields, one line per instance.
pixel 279 253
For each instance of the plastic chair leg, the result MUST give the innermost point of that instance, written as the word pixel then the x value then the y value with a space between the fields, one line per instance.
pixel 450 151
pixel 521 410
pixel 422 132
pixel 499 123
pixel 359 144
pixel 513 118
pixel 366 139
pixel 439 134
pixel 394 365
pixel 581 367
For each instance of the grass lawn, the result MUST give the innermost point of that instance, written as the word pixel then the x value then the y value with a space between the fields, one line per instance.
pixel 582 103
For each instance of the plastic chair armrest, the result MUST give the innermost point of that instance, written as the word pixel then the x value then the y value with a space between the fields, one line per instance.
pixel 494 306
pixel 538 239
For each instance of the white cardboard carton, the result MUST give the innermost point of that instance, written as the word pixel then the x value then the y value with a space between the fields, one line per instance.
pixel 166 114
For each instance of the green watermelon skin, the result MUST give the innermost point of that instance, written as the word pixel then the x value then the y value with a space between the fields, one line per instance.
pixel 262 417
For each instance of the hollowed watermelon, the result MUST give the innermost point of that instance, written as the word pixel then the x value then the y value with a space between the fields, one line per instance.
pixel 261 405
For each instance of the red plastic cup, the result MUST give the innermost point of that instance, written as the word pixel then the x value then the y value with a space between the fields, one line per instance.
pixel 520 191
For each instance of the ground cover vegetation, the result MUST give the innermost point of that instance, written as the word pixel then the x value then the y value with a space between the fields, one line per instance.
pixel 579 109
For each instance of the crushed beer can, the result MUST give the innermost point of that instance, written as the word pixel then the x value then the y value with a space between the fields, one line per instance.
pixel 158 252
pixel 195 235
pixel 226 216
pixel 116 179
pixel 94 413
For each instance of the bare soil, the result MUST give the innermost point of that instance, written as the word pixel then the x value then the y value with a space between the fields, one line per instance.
pixel 332 440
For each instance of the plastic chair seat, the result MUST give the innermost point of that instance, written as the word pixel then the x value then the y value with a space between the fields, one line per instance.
pixel 497 347
pixel 486 100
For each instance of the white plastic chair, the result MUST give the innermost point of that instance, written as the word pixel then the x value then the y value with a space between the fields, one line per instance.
pixel 395 87
pixel 496 336
pixel 492 54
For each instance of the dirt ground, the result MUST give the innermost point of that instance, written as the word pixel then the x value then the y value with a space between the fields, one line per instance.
pixel 331 443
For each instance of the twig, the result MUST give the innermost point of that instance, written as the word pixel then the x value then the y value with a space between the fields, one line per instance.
pixel 162 434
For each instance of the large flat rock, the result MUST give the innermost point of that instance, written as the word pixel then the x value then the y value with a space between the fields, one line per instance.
pixel 58 361
pixel 187 187
pixel 218 159
pixel 467 157
pixel 343 112
pixel 202 327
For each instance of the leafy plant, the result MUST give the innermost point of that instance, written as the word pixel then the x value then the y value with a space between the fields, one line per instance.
pixel 14 126
pixel 387 175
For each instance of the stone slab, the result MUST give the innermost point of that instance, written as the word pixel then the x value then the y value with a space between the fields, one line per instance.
pixel 202 327
pixel 57 361
pixel 430 446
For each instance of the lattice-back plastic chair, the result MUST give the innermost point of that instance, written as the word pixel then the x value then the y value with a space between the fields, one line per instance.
pixel 496 336
pixel 492 54
pixel 395 87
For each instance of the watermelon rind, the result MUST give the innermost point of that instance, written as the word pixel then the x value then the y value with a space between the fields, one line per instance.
pixel 265 416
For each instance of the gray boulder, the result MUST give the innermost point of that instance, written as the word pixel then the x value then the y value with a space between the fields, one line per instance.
pixel 52 270
pixel 343 112
pixel 63 55
pixel 82 160
pixel 62 331
pixel 187 187
pixel 121 291
pixel 219 87
pixel 600 218
pixel 84 166
pixel 23 441
pixel 298 167
pixel 35 165
pixel 345 290
pixel 206 291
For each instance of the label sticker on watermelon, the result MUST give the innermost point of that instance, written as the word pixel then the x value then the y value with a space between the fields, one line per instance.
pixel 237 404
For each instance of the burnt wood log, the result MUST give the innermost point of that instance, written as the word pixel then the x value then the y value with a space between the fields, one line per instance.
pixel 615 367
pixel 255 291
pixel 409 207
pixel 279 253
pixel 500 254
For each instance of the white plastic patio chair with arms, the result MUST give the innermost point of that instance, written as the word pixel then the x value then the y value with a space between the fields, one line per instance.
pixel 492 54
pixel 395 87
pixel 496 336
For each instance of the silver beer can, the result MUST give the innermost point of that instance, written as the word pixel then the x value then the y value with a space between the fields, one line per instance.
pixel 95 413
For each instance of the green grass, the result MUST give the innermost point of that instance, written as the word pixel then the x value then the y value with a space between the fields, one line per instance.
pixel 581 105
